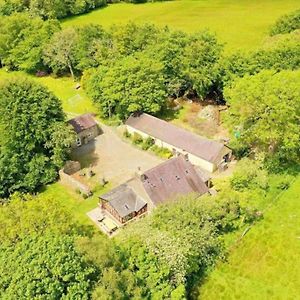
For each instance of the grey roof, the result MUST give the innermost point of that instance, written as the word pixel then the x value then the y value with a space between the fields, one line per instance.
pixel 124 200
pixel 172 178
pixel 82 122
pixel 175 136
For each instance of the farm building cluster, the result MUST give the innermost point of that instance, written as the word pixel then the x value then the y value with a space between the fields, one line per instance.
pixel 188 172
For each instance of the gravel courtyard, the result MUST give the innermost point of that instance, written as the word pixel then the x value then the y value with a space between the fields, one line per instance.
pixel 112 158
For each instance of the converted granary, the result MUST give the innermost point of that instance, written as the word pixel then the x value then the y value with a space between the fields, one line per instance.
pixel 139 195
pixel 86 129
pixel 208 154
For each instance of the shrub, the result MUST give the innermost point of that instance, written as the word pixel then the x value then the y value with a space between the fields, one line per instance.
pixel 147 143
pixel 137 139
pixel 286 23
pixel 127 134
pixel 162 152
pixel 249 175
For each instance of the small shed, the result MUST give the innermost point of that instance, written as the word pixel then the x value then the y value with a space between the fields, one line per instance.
pixel 86 129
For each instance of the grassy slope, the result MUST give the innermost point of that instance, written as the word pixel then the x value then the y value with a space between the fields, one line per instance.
pixel 73 101
pixel 239 23
pixel 74 202
pixel 266 265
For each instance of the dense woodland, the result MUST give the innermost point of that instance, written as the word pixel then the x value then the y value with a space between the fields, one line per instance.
pixel 126 69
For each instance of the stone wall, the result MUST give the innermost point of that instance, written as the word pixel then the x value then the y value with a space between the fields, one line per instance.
pixel 66 178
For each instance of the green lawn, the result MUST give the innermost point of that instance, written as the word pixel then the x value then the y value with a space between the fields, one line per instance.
pixel 238 23
pixel 266 264
pixel 73 101
pixel 74 202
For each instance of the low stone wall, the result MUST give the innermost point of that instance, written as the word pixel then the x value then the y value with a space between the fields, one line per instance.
pixel 66 178
pixel 71 167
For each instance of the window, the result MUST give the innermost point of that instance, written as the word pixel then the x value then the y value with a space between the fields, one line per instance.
pixel 78 141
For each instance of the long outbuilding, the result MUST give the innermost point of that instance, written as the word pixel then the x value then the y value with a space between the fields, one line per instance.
pixel 205 153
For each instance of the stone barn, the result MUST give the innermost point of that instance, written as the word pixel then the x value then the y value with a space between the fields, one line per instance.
pixel 200 151
pixel 86 129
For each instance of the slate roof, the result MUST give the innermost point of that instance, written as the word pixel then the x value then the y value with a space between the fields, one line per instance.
pixel 172 178
pixel 82 122
pixel 124 200
pixel 175 136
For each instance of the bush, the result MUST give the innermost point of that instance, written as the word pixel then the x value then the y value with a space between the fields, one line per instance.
pixel 249 175
pixel 127 134
pixel 286 23
pixel 147 143
pixel 137 139
pixel 162 152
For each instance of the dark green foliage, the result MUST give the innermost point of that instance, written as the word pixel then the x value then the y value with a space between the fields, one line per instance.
pixel 201 62
pixel 249 174
pixel 147 143
pixel 132 84
pixel 22 40
pixel 159 256
pixel 38 258
pixel 267 109
pixel 50 9
pixel 137 139
pixel 34 138
pixel 286 23
pixel 278 54
pixel 24 216
pixel 44 267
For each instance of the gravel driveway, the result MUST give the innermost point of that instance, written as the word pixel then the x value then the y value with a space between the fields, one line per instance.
pixel 113 158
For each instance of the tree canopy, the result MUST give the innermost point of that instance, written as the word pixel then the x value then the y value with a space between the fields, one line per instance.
pixel 48 9
pixel 132 84
pixel 34 137
pixel 286 23
pixel 266 109
pixel 44 267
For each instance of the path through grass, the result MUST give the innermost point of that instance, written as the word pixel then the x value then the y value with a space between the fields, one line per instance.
pixel 239 23
pixel 266 264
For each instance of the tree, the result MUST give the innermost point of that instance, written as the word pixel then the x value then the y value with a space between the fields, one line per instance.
pixel 22 40
pixel 49 9
pixel 26 215
pixel 266 108
pixel 44 267
pixel 87 38
pixel 59 55
pixel 201 62
pixel 35 140
pixel 278 53
pixel 286 23
pixel 133 84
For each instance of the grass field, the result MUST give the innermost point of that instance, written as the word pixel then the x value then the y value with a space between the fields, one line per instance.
pixel 266 264
pixel 73 101
pixel 238 23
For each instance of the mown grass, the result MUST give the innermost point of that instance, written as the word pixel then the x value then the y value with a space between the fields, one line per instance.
pixel 266 264
pixel 238 23
pixel 73 101
pixel 76 204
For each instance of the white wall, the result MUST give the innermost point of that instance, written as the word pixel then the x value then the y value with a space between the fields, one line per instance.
pixel 195 160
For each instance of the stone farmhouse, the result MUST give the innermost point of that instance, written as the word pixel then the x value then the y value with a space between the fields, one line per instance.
pixel 207 154
pixel 86 129
pixel 141 194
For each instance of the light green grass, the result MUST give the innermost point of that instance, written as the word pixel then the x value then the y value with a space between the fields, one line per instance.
pixel 266 264
pixel 73 101
pixel 75 202
pixel 238 23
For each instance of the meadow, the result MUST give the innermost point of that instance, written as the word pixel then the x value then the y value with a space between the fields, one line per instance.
pixel 266 264
pixel 239 24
